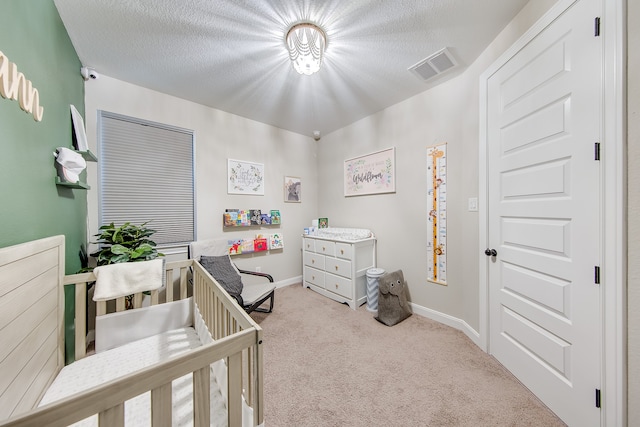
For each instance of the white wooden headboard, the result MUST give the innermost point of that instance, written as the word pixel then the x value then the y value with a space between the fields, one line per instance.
pixel 31 322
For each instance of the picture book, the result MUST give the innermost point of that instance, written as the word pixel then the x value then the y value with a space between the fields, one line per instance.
pixel 235 247
pixel 230 217
pixel 276 241
pixel 247 246
pixel 275 217
pixel 260 245
pixel 265 219
pixel 255 216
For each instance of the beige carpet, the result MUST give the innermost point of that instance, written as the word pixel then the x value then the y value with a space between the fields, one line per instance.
pixel 327 365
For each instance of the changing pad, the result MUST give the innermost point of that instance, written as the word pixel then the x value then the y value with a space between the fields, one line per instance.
pixel 348 234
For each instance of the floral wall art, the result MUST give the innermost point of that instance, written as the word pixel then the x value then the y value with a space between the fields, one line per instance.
pixel 245 177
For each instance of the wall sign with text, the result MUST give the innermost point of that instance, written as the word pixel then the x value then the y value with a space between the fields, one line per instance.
pixel 245 177
pixel 373 173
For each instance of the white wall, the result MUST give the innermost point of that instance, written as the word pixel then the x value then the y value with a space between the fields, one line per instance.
pixel 447 113
pixel 219 136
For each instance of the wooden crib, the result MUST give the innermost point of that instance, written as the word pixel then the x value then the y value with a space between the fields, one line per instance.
pixel 32 349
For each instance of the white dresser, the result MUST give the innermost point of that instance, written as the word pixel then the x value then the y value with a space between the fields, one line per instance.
pixel 337 268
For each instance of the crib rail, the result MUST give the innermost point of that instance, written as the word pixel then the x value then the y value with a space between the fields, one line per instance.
pixel 83 282
pixel 237 337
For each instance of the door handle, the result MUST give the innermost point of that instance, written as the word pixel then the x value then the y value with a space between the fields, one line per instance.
pixel 490 252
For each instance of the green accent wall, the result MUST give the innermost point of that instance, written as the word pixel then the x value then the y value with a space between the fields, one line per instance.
pixel 31 206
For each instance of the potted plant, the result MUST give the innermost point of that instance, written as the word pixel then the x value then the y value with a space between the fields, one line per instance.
pixel 126 243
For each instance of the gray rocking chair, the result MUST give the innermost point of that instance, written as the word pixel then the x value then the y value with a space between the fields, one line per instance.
pixel 213 255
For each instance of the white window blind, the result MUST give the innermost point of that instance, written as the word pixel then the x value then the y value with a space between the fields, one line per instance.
pixel 146 174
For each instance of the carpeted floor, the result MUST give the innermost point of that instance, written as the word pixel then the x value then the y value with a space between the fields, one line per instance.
pixel 327 365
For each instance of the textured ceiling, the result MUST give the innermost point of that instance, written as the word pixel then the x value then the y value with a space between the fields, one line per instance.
pixel 231 55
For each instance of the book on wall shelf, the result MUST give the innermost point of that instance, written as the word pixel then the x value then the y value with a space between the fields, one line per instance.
pixel 235 247
pixel 276 241
pixel 265 219
pixel 275 216
pixel 247 246
pixel 255 217
pixel 260 245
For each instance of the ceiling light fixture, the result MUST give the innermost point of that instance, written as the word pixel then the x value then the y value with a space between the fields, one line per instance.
pixel 306 43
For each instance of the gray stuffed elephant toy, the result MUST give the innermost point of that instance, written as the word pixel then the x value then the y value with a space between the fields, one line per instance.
pixel 393 306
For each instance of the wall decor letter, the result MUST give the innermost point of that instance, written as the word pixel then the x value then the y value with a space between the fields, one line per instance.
pixel 14 85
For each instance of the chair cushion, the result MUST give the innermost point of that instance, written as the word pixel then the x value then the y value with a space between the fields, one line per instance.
pixel 254 292
pixel 222 270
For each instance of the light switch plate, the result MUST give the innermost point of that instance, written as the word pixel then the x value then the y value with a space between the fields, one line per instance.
pixel 473 204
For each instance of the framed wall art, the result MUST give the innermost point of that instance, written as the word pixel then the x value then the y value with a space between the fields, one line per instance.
pixel 245 177
pixel 373 173
pixel 292 189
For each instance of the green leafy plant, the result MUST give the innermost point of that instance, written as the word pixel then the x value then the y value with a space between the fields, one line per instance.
pixel 126 243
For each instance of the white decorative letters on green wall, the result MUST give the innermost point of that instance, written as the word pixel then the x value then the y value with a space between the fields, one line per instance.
pixel 14 85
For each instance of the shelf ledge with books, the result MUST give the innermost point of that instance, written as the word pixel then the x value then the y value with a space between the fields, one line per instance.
pixel 234 218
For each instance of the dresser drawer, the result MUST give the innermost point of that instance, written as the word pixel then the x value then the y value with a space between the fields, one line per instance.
pixel 309 245
pixel 326 248
pixel 338 285
pixel 344 250
pixel 314 276
pixel 314 260
pixel 338 266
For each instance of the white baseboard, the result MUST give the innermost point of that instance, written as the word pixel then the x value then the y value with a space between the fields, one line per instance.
pixel 288 282
pixel 448 320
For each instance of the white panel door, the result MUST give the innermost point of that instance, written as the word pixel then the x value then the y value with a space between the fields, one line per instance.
pixel 544 109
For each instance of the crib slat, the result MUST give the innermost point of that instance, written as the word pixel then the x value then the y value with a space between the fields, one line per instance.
pixel 112 417
pixel 169 285
pixel 183 283
pixel 120 304
pixel 81 320
pixel 201 397
pixel 234 378
pixel 137 300
pixel 161 406
pixel 101 308
pixel 154 297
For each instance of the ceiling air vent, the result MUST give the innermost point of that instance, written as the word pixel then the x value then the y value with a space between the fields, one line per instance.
pixel 435 64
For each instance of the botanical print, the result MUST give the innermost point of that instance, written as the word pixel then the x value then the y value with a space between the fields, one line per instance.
pixel 437 214
pixel 370 174
pixel 245 177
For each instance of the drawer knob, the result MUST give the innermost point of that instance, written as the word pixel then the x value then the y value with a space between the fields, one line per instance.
pixel 324 249
pixel 341 251
pixel 336 268
pixel 313 277
pixel 336 286
pixel 313 261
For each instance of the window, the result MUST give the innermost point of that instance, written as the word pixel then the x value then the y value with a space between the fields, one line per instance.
pixel 146 174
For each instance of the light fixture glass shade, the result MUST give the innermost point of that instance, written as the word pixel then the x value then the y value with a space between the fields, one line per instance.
pixel 306 43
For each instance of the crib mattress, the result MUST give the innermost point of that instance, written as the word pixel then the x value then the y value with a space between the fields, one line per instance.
pixel 129 358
